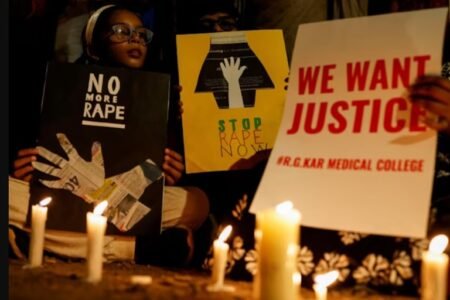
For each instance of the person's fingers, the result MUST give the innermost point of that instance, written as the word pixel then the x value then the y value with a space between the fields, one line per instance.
pixel 432 93
pixel 173 166
pixel 22 173
pixel 432 80
pixel 180 107
pixel 174 163
pixel 438 108
pixel 439 126
pixel 27 152
pixel 171 174
pixel 28 178
pixel 171 171
pixel 173 154
pixel 169 179
pixel 22 165
pixel 23 161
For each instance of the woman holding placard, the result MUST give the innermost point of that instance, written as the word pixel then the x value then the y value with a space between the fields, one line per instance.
pixel 115 36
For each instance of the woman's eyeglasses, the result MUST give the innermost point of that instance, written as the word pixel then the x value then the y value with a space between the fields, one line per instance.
pixel 121 33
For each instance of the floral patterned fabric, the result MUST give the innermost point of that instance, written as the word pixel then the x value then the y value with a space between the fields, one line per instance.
pixel 388 264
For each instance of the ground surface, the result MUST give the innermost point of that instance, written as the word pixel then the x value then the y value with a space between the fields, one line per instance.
pixel 65 281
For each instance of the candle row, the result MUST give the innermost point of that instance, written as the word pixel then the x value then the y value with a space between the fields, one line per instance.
pixel 96 227
pixel 276 240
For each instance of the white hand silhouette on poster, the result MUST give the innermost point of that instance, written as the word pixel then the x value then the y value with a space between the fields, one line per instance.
pixel 75 175
pixel 87 181
pixel 232 72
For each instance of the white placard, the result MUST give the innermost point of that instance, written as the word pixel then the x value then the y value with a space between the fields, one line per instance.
pixel 350 152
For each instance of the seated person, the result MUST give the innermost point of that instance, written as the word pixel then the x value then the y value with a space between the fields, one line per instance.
pixel 115 36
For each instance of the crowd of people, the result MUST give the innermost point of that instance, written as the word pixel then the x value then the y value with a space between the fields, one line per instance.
pixel 119 35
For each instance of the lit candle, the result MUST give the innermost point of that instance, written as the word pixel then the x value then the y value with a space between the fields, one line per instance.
pixel 322 282
pixel 434 270
pixel 220 249
pixel 38 219
pixel 277 251
pixel 257 277
pixel 96 227
pixel 297 280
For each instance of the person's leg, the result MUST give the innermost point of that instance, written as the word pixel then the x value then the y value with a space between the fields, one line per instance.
pixel 184 207
pixel 184 211
pixel 61 243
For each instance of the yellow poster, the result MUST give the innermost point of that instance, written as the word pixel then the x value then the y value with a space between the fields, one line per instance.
pixel 233 93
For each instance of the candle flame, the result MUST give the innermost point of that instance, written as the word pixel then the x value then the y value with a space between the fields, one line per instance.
pixel 284 207
pixel 225 233
pixel 100 208
pixel 45 201
pixel 327 278
pixel 438 244
pixel 297 278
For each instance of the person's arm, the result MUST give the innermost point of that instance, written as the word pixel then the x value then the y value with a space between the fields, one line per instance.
pixel 433 94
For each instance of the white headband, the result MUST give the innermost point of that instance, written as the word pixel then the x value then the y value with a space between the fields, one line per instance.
pixel 90 28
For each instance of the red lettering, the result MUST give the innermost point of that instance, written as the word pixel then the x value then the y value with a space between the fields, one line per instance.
pixel 222 137
pixel 421 61
pixel 326 78
pixel 416 113
pixel 359 105
pixel 357 75
pixel 358 72
pixel 308 79
pixel 379 75
pixel 280 160
pixel 401 72
pixel 309 127
pixel 390 113
pixel 297 118
pixel 257 136
pixel 375 118
pixel 335 112
pixel 245 135
pixel 362 114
